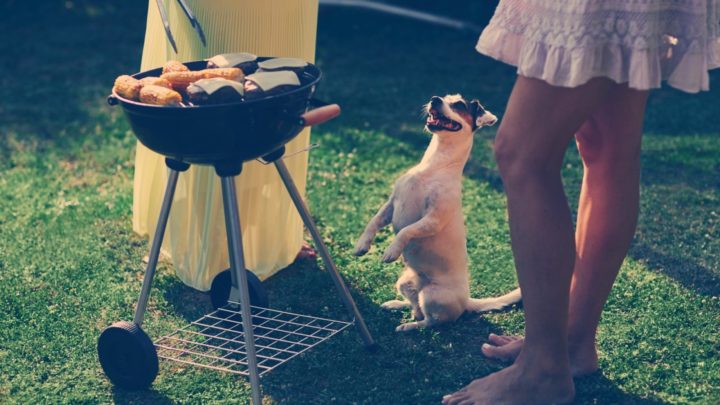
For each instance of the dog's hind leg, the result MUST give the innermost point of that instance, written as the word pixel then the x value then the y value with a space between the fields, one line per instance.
pixel 379 221
pixel 408 285
pixel 438 305
pixel 404 327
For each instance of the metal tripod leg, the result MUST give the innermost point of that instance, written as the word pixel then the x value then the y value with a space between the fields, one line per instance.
pixel 324 253
pixel 239 278
pixel 155 247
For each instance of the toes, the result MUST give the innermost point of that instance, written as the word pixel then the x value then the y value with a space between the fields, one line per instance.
pixel 456 398
pixel 499 352
pixel 502 340
pixel 497 340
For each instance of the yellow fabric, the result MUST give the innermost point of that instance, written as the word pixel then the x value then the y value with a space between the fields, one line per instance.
pixel 272 229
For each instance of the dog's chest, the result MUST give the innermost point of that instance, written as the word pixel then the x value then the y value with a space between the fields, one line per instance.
pixel 411 199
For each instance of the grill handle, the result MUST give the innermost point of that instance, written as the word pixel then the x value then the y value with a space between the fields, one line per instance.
pixel 320 115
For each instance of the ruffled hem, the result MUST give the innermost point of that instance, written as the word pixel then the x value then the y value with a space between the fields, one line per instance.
pixel 642 69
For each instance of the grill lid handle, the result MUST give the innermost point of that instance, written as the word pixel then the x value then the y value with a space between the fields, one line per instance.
pixel 320 115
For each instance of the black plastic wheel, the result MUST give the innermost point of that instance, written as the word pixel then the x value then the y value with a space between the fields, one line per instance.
pixel 127 356
pixel 222 283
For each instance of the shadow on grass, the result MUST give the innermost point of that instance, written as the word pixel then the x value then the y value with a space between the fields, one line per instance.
pixel 596 388
pixel 149 396
pixel 184 301
pixel 691 275
pixel 659 169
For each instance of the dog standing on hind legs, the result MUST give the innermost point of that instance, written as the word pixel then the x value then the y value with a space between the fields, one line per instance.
pixel 425 209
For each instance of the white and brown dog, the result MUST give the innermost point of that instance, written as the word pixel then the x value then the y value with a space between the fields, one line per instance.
pixel 425 209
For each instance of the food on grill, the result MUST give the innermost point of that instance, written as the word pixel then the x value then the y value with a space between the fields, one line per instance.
pixel 215 91
pixel 157 95
pixel 263 84
pixel 243 60
pixel 174 66
pixel 155 81
pixel 225 80
pixel 181 80
pixel 231 73
pixel 127 87
pixel 278 64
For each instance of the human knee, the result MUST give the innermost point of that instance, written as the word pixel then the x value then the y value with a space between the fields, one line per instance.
pixel 516 161
pixel 602 150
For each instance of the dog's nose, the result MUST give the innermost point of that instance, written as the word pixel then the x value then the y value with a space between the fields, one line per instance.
pixel 436 101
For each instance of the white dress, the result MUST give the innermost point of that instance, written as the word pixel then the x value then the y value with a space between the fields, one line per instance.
pixel 639 42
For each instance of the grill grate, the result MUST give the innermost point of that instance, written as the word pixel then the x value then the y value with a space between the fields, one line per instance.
pixel 217 340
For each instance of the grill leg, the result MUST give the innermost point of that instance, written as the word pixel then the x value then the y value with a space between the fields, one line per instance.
pixel 239 278
pixel 155 247
pixel 324 254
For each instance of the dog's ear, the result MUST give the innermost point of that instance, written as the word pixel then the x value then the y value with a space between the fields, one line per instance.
pixel 477 111
pixel 481 116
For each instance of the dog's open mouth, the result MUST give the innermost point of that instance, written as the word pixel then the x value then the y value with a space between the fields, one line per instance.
pixel 436 121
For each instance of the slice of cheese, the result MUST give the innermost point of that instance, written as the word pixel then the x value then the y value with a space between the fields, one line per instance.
pixel 269 80
pixel 210 86
pixel 282 63
pixel 232 59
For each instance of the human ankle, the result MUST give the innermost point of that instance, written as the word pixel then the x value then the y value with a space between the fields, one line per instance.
pixel 581 342
pixel 543 365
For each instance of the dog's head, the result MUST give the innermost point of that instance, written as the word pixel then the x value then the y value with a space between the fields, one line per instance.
pixel 453 113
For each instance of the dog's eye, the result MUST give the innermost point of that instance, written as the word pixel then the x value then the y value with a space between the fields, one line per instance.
pixel 459 105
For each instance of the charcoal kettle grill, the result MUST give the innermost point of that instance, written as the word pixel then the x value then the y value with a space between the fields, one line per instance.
pixel 243 335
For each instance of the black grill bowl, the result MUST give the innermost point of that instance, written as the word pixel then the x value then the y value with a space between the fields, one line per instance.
pixel 212 134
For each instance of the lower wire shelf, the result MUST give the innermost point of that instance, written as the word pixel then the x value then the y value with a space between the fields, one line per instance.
pixel 217 340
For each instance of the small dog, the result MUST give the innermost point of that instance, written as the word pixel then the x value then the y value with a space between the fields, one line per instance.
pixel 425 209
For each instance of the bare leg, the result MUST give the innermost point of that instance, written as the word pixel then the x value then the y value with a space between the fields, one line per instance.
pixel 539 122
pixel 609 144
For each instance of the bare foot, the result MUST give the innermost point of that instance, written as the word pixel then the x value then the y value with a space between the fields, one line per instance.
pixel 306 252
pixel 515 385
pixel 583 358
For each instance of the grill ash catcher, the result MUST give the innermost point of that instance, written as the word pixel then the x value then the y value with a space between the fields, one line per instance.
pixel 243 335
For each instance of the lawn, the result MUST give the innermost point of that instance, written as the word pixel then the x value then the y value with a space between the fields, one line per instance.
pixel 70 264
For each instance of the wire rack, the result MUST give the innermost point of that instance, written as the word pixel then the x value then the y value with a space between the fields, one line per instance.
pixel 217 340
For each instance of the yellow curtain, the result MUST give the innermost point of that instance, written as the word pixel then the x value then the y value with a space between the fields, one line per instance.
pixel 272 230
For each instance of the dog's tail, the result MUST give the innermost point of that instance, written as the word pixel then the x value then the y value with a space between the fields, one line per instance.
pixel 495 303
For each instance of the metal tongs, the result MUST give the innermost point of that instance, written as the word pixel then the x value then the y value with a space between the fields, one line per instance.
pixel 193 21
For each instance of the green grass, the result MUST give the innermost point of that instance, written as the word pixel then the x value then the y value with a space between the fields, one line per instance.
pixel 70 264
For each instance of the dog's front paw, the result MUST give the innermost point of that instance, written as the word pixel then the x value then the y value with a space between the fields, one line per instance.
pixel 361 248
pixel 391 254
pixel 363 245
